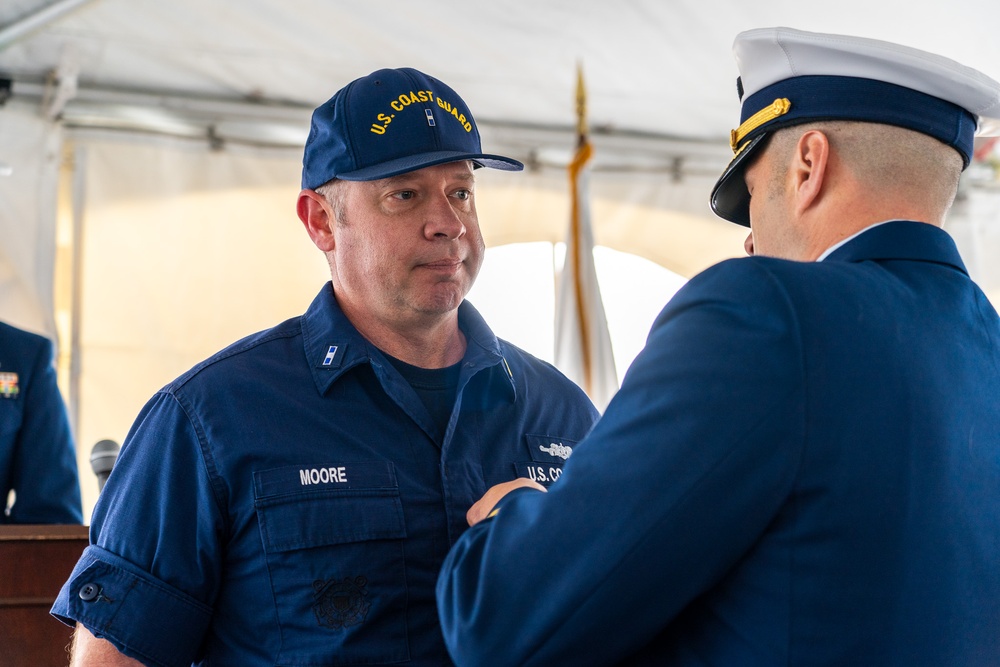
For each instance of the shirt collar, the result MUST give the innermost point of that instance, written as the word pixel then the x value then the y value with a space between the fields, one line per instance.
pixel 902 240
pixel 830 250
pixel 333 345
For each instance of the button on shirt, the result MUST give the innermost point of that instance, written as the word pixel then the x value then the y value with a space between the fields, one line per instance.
pixel 290 500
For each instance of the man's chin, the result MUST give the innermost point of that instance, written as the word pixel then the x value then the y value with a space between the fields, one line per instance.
pixel 442 300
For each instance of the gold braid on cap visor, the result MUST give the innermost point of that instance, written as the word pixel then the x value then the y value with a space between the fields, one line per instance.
pixel 776 109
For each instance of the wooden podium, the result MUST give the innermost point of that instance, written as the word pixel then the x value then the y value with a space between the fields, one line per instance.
pixel 35 561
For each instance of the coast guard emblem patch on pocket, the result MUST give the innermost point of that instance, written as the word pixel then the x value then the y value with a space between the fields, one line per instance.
pixel 341 604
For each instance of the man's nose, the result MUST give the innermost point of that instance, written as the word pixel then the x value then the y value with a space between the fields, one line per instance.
pixel 443 220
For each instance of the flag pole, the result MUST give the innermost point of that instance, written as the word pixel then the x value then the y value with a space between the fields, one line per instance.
pixel 583 348
pixel 584 151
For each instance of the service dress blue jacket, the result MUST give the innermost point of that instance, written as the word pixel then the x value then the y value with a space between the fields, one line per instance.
pixel 37 456
pixel 289 502
pixel 802 467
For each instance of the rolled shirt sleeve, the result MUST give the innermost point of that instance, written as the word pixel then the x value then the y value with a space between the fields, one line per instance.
pixel 141 615
pixel 148 581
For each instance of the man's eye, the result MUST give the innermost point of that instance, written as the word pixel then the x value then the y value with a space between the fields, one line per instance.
pixel 464 194
pixel 405 194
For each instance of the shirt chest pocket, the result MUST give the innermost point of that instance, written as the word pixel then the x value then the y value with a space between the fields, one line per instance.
pixel 333 540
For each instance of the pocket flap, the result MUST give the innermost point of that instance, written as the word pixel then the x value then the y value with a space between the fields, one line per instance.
pixel 306 506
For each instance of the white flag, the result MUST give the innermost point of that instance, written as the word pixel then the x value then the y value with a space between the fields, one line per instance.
pixel 582 342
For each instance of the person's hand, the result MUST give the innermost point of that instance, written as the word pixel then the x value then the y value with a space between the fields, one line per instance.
pixel 485 505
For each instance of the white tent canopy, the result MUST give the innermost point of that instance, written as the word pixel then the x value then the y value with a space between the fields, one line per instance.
pixel 153 149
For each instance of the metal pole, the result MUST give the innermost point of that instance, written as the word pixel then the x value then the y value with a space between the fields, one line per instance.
pixel 76 308
pixel 37 20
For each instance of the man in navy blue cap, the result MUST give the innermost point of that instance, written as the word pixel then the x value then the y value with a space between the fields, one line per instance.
pixel 802 467
pixel 290 500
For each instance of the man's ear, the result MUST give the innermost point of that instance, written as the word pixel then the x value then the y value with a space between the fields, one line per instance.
pixel 809 169
pixel 317 217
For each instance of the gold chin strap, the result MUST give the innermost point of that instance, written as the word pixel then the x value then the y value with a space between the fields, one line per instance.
pixel 776 109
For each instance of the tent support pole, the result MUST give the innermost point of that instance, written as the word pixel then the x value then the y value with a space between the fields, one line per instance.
pixel 10 34
pixel 76 308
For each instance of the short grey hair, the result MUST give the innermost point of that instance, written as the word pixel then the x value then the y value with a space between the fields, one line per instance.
pixel 333 192
pixel 889 158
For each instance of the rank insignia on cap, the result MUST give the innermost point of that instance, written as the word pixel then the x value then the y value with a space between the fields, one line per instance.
pixel 8 385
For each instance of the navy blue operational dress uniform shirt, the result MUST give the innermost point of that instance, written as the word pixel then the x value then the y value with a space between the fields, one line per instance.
pixel 801 468
pixel 289 501
pixel 37 456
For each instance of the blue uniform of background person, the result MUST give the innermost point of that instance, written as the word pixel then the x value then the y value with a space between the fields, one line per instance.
pixel 714 538
pixel 233 557
pixel 37 457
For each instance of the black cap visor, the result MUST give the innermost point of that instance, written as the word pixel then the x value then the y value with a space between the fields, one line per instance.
pixel 730 197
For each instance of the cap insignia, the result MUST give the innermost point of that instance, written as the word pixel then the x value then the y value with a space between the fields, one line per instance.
pixel 776 109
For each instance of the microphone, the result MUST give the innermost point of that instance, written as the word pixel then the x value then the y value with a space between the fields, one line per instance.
pixel 102 460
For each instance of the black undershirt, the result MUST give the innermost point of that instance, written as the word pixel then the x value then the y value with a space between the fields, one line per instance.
pixel 436 388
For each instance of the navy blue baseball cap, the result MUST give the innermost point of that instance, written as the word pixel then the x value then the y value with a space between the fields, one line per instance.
pixel 789 77
pixel 388 123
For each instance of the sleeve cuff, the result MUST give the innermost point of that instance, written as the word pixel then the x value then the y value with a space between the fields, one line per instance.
pixel 524 490
pixel 143 617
